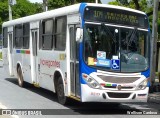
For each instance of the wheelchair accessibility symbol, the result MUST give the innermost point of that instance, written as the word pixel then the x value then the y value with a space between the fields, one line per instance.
pixel 115 64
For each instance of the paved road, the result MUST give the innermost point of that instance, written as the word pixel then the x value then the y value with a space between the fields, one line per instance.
pixel 1 63
pixel 14 97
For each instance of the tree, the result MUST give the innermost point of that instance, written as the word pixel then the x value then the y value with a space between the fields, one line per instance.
pixel 53 4
pixel 135 4
pixel 21 9
pixel 25 8
pixel 3 12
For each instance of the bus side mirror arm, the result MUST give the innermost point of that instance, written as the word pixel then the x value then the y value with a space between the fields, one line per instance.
pixel 79 33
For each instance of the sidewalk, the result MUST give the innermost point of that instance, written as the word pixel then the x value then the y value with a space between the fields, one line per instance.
pixel 4 116
pixel 154 97
pixel 1 63
pixel 7 116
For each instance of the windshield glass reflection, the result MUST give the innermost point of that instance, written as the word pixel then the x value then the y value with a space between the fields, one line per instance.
pixel 116 49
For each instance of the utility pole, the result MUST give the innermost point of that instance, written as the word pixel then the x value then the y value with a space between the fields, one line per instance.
pixel 45 5
pixel 10 9
pixel 154 43
pixel 11 3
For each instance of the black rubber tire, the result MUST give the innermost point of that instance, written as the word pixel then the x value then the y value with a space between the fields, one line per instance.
pixel 20 77
pixel 62 99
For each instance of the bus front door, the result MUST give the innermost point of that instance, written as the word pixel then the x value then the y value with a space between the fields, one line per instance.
pixel 34 68
pixel 10 52
pixel 74 62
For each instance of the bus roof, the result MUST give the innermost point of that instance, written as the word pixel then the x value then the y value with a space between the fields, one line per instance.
pixel 115 7
pixel 62 11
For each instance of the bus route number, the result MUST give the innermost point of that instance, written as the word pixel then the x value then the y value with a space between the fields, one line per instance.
pixel 98 14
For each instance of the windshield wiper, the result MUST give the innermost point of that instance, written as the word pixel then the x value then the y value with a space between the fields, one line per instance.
pixel 132 37
pixel 107 30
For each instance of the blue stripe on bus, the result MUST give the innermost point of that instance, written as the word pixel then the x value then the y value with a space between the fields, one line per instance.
pixel 147 75
pixel 148 84
pixel 148 23
pixel 18 51
pixel 81 10
pixel 83 67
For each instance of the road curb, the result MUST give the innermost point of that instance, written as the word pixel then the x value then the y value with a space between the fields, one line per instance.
pixel 154 98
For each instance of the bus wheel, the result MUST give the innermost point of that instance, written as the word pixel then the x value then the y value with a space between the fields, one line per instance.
pixel 62 99
pixel 20 77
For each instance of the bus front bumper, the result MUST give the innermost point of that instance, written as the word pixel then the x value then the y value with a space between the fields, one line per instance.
pixel 97 95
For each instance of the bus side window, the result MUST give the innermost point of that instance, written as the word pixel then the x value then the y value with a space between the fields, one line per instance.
pixel 47 34
pixel 5 40
pixel 18 36
pixel 26 35
pixel 60 33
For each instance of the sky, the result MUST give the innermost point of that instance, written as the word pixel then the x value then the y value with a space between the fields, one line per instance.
pixel 42 0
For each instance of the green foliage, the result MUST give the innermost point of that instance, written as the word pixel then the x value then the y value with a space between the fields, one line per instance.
pixel 3 12
pixel 24 8
pixel 124 2
pixel 53 4
pixel 115 3
pixel 132 4
pixel 21 9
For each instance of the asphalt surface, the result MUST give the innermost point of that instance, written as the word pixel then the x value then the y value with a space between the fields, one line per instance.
pixel 31 98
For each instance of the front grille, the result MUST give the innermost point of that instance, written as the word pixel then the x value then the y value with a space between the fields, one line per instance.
pixel 113 79
pixel 109 86
pixel 123 87
pixel 118 95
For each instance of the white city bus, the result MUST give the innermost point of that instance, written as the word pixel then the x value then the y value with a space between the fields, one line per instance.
pixel 88 52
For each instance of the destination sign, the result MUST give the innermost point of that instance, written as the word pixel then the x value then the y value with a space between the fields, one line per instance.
pixel 115 16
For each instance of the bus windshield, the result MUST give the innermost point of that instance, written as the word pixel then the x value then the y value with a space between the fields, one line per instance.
pixel 104 44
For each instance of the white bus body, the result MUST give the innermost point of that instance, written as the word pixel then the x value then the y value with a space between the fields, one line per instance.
pixel 42 49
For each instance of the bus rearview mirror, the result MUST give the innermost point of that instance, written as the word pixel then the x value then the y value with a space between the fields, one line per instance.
pixel 78 34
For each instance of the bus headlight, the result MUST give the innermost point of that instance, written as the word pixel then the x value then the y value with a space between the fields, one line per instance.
pixel 142 85
pixel 90 81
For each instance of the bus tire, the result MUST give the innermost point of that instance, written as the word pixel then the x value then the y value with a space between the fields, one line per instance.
pixel 20 77
pixel 62 99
